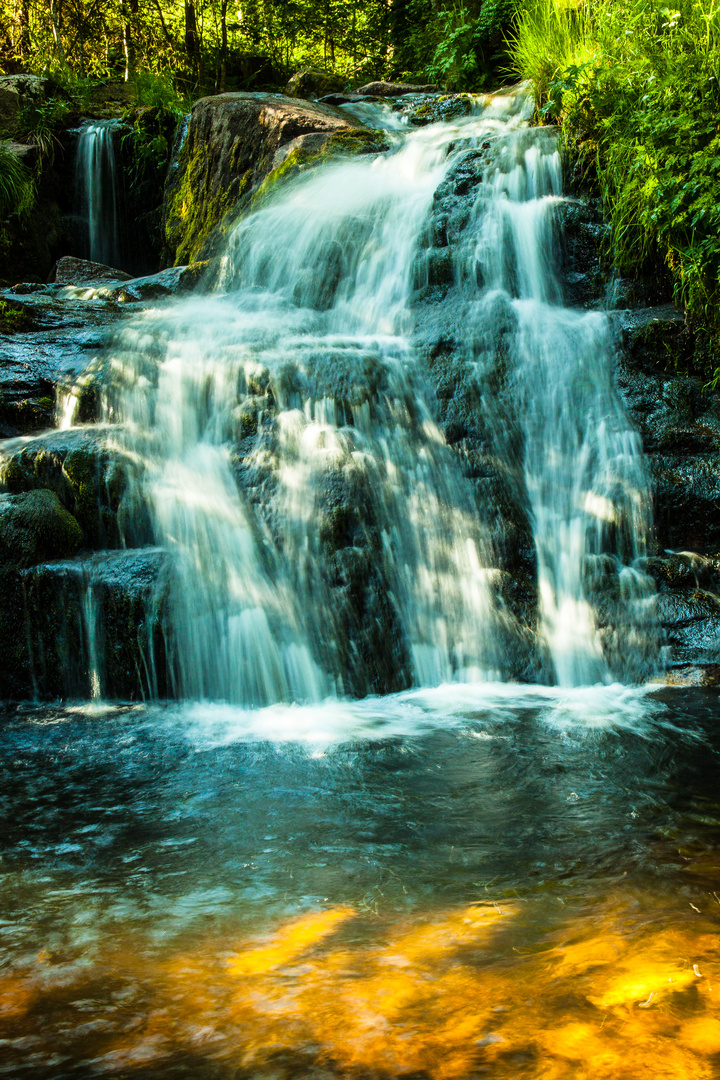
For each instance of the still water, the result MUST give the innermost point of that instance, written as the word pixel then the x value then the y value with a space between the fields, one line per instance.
pixel 476 880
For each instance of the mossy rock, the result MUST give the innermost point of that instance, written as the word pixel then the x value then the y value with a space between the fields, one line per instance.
pixel 35 527
pixel 313 82
pixel 228 148
pixel 443 108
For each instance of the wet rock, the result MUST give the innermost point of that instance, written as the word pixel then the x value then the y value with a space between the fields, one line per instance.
pixel 171 282
pixel 687 500
pixel 395 89
pixel 88 477
pixel 95 626
pixel 583 233
pixel 229 148
pixel 313 83
pixel 63 335
pixel 35 527
pixel 72 271
pixel 315 290
pixel 439 108
pixel 691 621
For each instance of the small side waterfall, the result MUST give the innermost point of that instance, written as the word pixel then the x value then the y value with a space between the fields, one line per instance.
pixel 96 179
pixel 324 538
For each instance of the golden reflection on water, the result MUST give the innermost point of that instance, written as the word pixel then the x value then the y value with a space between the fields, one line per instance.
pixel 625 988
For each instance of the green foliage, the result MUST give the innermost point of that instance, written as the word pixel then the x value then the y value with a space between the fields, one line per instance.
pixel 157 90
pixel 39 123
pixel 470 47
pixel 146 148
pixel 13 318
pixel 635 87
pixel 17 189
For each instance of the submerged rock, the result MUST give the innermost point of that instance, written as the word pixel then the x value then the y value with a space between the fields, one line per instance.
pixel 229 148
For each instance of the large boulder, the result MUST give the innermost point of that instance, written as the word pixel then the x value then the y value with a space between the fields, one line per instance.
pixel 313 82
pixel 229 147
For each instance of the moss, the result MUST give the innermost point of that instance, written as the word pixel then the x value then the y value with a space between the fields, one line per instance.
pixel 14 318
pixel 195 211
pixel 34 527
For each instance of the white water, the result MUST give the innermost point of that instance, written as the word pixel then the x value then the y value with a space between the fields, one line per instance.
pixel 245 485
pixel 96 183
pixel 581 460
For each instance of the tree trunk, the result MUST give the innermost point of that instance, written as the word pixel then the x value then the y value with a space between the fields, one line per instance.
pixel 223 46
pixel 192 41
pixel 56 20
pixel 24 42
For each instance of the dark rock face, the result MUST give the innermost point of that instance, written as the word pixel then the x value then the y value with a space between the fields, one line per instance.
pixel 228 149
pixel 679 420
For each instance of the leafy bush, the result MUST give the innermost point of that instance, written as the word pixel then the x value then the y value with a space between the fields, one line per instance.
pixel 470 47
pixel 17 189
pixel 636 88
pixel 39 122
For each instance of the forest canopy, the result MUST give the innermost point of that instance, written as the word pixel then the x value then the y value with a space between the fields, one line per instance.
pixel 222 44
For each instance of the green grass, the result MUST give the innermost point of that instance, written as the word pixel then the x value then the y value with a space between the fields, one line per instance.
pixel 17 188
pixel 636 89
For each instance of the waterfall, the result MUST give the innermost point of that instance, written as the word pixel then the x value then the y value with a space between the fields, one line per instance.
pixel 324 537
pixel 97 187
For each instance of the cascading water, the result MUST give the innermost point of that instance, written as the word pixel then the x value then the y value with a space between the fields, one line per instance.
pixel 324 537
pixel 96 179
pixel 581 461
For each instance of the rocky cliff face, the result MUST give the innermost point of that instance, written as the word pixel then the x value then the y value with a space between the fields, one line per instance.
pixel 64 490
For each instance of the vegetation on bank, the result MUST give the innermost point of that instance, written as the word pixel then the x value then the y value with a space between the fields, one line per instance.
pixel 635 86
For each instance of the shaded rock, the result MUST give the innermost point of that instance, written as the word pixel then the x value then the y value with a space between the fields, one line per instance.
pixel 89 478
pixel 313 82
pixel 35 527
pixel 395 89
pixel 653 337
pixel 687 500
pixel 582 233
pixel 25 153
pixel 72 271
pixel 229 148
pixel 691 621
pixel 95 626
